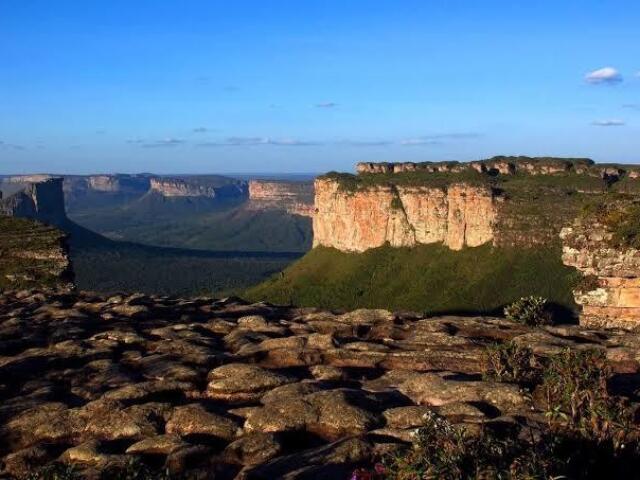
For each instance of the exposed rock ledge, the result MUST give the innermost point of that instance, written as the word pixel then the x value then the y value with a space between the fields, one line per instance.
pixel 295 198
pixel 248 391
pixel 173 187
pixel 458 215
pixel 611 295
pixel 508 166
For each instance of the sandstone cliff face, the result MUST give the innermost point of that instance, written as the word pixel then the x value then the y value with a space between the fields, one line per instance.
pixel 460 215
pixel 170 187
pixel 505 166
pixel 103 183
pixel 32 254
pixel 610 296
pixel 293 197
pixel 43 201
pixel 38 177
pixel 180 187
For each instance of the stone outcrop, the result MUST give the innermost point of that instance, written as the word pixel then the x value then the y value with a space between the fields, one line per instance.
pixel 507 166
pixel 43 201
pixel 610 293
pixel 33 254
pixel 251 391
pixel 33 178
pixel 103 183
pixel 194 187
pixel 458 215
pixel 293 197
pixel 171 187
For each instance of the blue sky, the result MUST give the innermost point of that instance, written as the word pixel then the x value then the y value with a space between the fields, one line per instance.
pixel 191 86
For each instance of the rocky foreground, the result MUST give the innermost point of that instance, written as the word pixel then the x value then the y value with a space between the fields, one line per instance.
pixel 226 389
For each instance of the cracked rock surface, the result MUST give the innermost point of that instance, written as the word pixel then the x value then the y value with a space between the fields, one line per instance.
pixel 229 390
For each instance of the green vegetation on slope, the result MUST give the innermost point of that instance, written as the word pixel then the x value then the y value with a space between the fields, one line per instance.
pixel 429 278
pixel 30 254
pixel 351 183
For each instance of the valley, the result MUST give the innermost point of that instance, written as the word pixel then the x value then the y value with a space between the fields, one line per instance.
pixel 187 235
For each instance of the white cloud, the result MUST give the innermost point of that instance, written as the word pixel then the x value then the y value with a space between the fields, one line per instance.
pixel 326 105
pixel 165 142
pixel 253 141
pixel 200 130
pixel 11 146
pixel 364 143
pixel 606 75
pixel 608 123
pixel 437 139
pixel 419 141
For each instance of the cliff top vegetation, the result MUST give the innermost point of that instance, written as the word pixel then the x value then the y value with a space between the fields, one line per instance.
pixel 30 254
pixel 512 174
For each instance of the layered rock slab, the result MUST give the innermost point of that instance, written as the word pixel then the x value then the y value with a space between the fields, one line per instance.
pixel 229 389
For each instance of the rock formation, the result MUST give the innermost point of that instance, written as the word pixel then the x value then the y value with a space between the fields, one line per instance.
pixel 457 215
pixel 33 255
pixel 610 292
pixel 194 187
pixel 171 187
pixel 251 391
pixel 293 197
pixel 506 166
pixel 43 201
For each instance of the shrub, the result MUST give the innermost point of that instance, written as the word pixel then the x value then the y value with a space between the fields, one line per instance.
pixel 134 469
pixel 511 362
pixel 529 311
pixel 589 435
pixel 577 398
pixel 587 283
pixel 444 451
pixel 620 217
pixel 55 471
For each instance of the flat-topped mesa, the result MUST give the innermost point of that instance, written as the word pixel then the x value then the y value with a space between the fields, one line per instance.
pixel 456 215
pixel 173 187
pixel 32 178
pixel 508 166
pixel 43 201
pixel 103 183
pixel 293 197
pixel 197 187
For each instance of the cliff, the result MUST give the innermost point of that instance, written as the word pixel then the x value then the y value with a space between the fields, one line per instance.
pixel 179 188
pixel 32 254
pixel 198 187
pixel 457 215
pixel 293 197
pixel 104 183
pixel 514 211
pixel 610 292
pixel 43 201
pixel 501 165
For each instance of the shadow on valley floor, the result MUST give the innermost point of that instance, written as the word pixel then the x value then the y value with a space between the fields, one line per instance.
pixel 105 265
